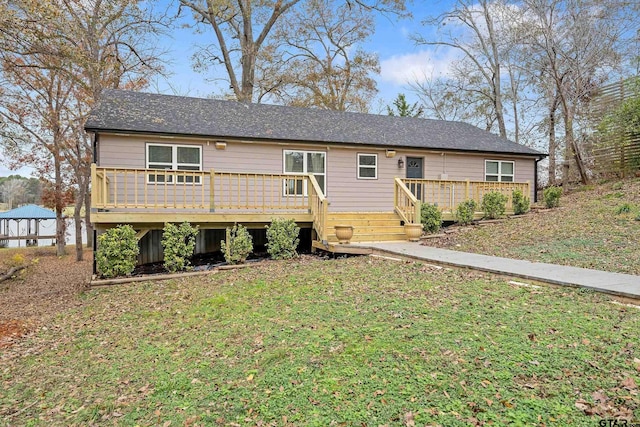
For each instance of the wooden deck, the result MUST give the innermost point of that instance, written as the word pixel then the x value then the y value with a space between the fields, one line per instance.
pixel 148 198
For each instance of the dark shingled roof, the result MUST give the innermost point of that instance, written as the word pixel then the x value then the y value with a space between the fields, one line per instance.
pixel 135 112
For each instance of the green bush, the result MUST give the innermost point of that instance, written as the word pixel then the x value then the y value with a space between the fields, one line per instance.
pixel 551 196
pixel 494 204
pixel 117 251
pixel 178 243
pixel 465 211
pixel 521 203
pixel 282 239
pixel 238 246
pixel 430 217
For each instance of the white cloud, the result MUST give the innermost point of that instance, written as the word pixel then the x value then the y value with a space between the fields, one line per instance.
pixel 419 66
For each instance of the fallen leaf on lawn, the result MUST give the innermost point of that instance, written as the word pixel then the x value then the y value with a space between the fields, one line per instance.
pixel 409 420
pixel 584 407
pixel 599 396
pixel 250 378
pixel 629 384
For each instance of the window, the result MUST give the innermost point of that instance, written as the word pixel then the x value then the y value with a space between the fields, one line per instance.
pixel 300 163
pixel 498 171
pixel 176 158
pixel 367 166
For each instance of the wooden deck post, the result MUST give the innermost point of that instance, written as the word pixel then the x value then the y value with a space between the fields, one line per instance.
pixel 212 204
pixel 95 187
pixel 466 187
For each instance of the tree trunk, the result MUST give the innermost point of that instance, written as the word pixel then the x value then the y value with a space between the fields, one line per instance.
pixel 553 146
pixel 572 148
pixel 87 218
pixel 61 226
pixel 77 217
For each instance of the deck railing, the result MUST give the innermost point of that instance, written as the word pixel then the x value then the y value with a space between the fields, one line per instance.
pixel 406 203
pixel 319 207
pixel 258 192
pixel 156 189
pixel 448 194
pixel 153 189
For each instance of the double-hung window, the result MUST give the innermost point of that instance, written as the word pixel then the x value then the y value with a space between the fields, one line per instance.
pixel 175 158
pixel 300 163
pixel 499 171
pixel 367 166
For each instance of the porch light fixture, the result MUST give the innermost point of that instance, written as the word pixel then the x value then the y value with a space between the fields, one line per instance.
pixel 221 145
pixel 400 163
pixel 390 153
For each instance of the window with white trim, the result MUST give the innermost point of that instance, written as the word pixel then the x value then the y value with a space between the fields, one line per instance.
pixel 499 171
pixel 367 166
pixel 296 162
pixel 174 157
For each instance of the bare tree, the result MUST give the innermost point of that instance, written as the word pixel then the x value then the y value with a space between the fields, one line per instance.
pixel 572 46
pixel 242 29
pixel 318 61
pixel 12 189
pixel 470 28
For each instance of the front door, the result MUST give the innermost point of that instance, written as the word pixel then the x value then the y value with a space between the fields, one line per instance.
pixel 415 171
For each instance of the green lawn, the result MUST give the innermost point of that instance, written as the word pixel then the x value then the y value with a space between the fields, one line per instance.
pixel 586 231
pixel 349 342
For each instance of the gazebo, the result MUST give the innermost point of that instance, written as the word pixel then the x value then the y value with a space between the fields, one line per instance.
pixel 33 215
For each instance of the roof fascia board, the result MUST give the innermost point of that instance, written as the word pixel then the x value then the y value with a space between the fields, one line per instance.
pixel 213 138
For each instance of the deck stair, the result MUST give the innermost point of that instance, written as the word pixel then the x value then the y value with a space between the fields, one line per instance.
pixel 368 226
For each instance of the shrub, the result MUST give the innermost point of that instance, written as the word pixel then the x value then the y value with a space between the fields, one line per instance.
pixel 624 208
pixel 117 251
pixel 430 217
pixel 178 243
pixel 521 203
pixel 282 239
pixel 551 196
pixel 494 204
pixel 465 211
pixel 238 246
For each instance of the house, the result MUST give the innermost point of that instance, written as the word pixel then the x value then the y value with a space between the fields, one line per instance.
pixel 161 158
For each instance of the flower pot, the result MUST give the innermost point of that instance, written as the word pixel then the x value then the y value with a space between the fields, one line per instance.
pixel 413 231
pixel 344 233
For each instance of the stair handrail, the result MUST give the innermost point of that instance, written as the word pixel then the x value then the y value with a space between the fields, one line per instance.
pixel 318 206
pixel 406 204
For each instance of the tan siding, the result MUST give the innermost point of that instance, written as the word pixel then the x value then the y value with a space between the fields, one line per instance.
pixel 344 190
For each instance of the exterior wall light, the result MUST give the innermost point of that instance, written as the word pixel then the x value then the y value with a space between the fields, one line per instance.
pixel 400 163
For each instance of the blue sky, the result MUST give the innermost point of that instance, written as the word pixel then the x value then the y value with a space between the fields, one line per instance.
pixel 400 59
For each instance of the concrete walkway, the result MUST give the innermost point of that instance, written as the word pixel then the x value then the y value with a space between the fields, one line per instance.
pixel 625 285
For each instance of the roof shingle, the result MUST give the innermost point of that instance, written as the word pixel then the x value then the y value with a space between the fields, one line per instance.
pixel 135 112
